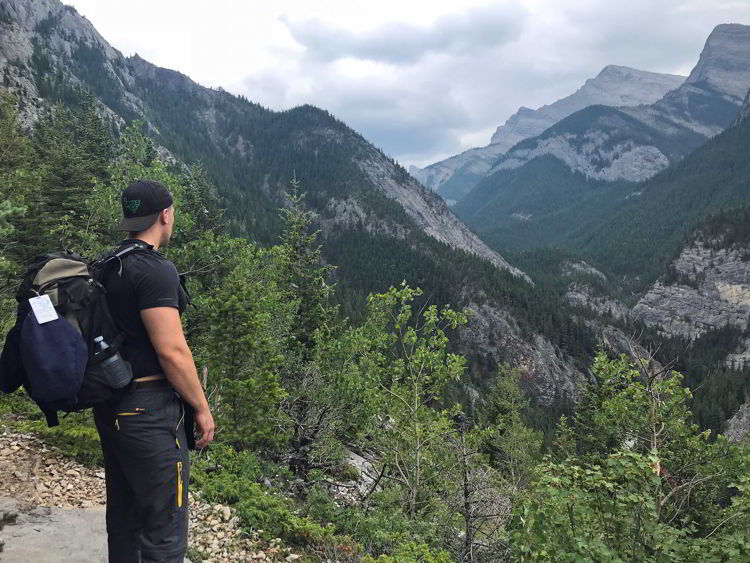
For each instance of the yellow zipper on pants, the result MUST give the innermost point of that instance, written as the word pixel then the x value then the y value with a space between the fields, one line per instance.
pixel 179 483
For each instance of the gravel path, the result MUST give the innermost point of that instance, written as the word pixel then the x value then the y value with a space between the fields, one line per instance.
pixel 60 507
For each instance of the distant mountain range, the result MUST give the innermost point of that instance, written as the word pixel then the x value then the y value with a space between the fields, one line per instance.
pixel 546 189
pixel 614 86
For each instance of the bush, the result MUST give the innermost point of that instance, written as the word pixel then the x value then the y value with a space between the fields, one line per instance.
pixel 232 477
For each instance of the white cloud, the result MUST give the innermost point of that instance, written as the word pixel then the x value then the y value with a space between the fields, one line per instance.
pixel 422 80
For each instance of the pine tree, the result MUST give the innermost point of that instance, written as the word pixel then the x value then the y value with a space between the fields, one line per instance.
pixel 328 396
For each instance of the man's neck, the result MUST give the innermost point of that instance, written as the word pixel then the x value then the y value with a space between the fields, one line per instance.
pixel 148 238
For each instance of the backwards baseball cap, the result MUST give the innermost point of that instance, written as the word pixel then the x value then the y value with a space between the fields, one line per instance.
pixel 142 201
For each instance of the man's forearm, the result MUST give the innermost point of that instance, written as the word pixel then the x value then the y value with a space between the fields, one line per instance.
pixel 179 369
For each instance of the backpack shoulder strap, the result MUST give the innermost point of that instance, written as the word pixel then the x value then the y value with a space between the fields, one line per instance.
pixel 118 254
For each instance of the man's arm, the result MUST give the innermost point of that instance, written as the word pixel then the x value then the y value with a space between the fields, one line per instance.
pixel 165 332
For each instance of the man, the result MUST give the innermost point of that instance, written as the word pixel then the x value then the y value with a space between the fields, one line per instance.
pixel 143 434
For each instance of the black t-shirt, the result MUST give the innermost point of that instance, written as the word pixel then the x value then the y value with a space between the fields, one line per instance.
pixel 148 280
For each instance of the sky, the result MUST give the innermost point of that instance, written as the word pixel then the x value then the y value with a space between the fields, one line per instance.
pixel 421 80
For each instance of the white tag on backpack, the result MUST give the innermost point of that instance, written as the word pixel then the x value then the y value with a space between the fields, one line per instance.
pixel 43 309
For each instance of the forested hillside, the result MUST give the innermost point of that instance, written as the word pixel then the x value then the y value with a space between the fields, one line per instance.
pixel 639 236
pixel 629 229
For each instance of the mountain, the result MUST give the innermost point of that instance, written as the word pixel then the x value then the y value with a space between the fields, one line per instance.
pixel 135 88
pixel 638 237
pixel 606 145
pixel 614 86
pixel 379 226
pixel 586 164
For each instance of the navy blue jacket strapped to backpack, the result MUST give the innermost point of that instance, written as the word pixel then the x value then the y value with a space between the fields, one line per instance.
pixel 55 360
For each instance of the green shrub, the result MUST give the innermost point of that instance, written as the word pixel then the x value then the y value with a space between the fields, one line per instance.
pixel 232 477
pixel 75 437
pixel 382 529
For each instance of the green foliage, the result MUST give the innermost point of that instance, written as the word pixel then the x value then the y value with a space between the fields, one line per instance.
pixel 381 528
pixel 414 366
pixel 232 477
pixel 15 186
pixel 329 398
pixel 513 446
pixel 414 553
pixel 718 389
pixel 640 482
pixel 244 325
pixel 76 436
pixel 600 512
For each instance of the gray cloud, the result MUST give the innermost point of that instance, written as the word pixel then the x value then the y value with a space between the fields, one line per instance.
pixel 464 75
pixel 398 43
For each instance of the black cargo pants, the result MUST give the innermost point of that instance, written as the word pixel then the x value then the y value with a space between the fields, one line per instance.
pixel 146 465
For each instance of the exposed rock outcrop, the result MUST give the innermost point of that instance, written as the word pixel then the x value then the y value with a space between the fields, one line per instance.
pixel 738 427
pixel 582 295
pixel 744 110
pixel 491 337
pixel 712 290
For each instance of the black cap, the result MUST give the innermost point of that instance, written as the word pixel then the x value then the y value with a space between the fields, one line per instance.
pixel 142 201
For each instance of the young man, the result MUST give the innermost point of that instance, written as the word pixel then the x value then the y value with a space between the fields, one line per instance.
pixel 143 435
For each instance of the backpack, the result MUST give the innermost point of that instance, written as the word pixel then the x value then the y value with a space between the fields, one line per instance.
pixel 56 360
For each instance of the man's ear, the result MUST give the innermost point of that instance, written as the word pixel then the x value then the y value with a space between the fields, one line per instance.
pixel 164 216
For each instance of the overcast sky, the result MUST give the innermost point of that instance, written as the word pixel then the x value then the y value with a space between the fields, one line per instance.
pixel 421 80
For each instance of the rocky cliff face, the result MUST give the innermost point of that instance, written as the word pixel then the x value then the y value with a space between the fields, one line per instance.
pixel 723 64
pixel 738 427
pixel 711 290
pixel 430 212
pixel 613 86
pixel 492 338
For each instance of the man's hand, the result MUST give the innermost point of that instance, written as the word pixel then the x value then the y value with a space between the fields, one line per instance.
pixel 205 423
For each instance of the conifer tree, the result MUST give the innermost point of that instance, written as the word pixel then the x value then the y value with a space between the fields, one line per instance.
pixel 328 397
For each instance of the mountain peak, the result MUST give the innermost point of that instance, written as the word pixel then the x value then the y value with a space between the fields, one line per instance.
pixel 618 70
pixel 724 63
pixel 614 86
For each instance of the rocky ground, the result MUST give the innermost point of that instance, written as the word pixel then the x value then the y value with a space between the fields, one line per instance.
pixel 60 506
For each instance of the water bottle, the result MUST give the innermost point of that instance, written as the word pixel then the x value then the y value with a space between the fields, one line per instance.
pixel 116 370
